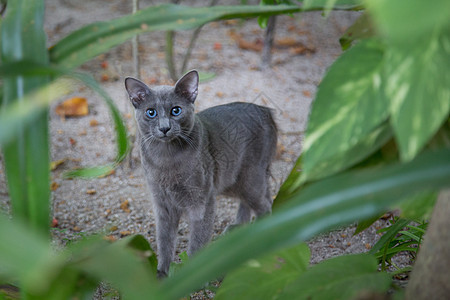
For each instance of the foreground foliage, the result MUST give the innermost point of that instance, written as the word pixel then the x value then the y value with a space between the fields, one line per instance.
pixel 377 138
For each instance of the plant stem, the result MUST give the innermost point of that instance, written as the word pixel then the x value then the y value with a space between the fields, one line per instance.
pixel 268 43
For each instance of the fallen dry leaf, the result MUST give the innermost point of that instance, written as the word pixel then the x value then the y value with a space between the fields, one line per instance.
pixel 105 77
pixel 73 107
pixel 93 123
pixel 217 46
pixel 302 50
pixel 54 186
pixel 306 93
pixel 54 223
pixel 55 164
pixel 91 192
pixel 286 42
pixel 125 206
pixel 125 233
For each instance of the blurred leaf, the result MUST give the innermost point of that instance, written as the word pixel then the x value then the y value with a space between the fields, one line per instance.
pixel 321 206
pixel 364 224
pixel 289 187
pixel 271 274
pixel 205 76
pixel 327 5
pixel 140 244
pixel 18 114
pixel 27 255
pixel 26 156
pixel 408 22
pixel 413 75
pixel 175 267
pixel 116 264
pixel 362 28
pixel 22 113
pixel 121 132
pixel 351 121
pixel 418 207
pixel 94 39
pixel 343 277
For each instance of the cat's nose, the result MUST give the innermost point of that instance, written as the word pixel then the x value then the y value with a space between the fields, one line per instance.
pixel 164 129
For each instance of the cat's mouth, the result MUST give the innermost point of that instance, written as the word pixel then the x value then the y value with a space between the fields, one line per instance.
pixel 165 138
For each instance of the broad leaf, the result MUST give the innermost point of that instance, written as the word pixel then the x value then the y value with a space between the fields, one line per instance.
pixel 321 206
pixel 271 273
pixel 344 277
pixel 347 113
pixel 417 85
pixel 407 22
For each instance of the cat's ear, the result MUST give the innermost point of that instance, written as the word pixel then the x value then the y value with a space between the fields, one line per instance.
pixel 137 90
pixel 187 86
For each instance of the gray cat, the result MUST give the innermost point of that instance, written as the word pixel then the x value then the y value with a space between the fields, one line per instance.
pixel 190 158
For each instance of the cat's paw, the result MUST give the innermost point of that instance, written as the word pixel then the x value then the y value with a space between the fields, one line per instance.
pixel 161 274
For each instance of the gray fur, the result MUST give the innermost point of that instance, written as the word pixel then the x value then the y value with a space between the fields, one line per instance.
pixel 191 158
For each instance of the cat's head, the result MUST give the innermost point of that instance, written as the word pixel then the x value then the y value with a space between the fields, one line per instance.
pixel 164 113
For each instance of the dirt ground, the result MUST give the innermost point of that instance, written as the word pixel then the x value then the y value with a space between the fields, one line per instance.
pixel 119 205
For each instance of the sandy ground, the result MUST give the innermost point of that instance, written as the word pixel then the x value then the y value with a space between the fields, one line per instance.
pixel 119 204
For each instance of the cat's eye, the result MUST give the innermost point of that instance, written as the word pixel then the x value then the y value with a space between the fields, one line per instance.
pixel 151 113
pixel 176 111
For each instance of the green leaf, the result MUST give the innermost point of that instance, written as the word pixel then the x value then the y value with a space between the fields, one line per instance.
pixel 409 21
pixel 26 156
pixel 271 274
pixel 330 4
pixel 116 264
pixel 175 267
pixel 344 277
pixel 289 186
pixel 417 84
pixel 320 206
pixel 364 224
pixel 121 131
pixel 94 39
pixel 418 207
pixel 389 235
pixel 20 114
pixel 410 235
pixel 26 254
pixel 24 112
pixel 362 28
pixel 140 244
pixel 347 113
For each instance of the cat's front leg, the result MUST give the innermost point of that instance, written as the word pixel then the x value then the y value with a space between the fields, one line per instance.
pixel 167 218
pixel 201 225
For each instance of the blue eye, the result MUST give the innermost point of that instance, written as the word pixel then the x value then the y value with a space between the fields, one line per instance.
pixel 176 111
pixel 151 113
